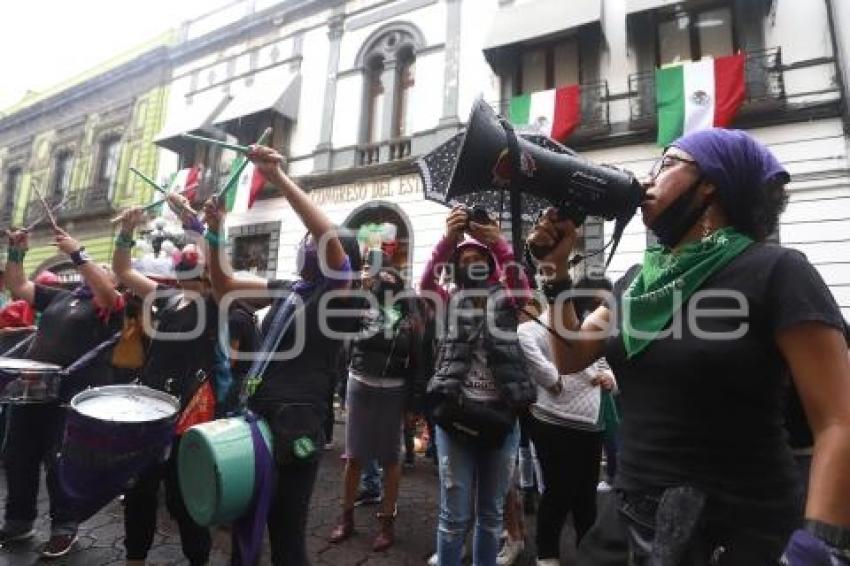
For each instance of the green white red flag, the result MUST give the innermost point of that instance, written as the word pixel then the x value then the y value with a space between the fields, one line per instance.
pixel 697 95
pixel 555 112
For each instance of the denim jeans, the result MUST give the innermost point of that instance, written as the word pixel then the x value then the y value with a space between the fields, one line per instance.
pixel 370 478
pixel 472 478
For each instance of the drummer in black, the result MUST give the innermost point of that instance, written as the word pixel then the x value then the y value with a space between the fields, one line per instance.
pixel 72 323
pixel 292 395
pixel 182 345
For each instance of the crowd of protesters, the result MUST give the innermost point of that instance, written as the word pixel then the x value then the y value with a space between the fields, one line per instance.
pixel 509 364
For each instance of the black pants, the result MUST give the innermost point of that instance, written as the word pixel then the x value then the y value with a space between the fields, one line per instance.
pixel 33 435
pixel 609 542
pixel 140 506
pixel 287 520
pixel 569 461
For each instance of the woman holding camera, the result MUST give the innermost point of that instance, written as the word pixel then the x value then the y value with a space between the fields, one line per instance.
pixel 699 342
pixel 480 383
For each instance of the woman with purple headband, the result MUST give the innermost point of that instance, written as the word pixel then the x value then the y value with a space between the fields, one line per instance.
pixel 700 340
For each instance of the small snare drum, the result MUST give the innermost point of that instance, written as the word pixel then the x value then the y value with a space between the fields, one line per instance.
pixel 28 381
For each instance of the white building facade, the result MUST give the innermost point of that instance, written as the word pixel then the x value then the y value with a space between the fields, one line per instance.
pixel 356 90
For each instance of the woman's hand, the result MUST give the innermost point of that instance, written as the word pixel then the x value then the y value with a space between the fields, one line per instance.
pixel 456 223
pixel 269 162
pixel 485 232
pixel 131 218
pixel 181 206
pixel 213 214
pixel 604 380
pixel 559 237
pixel 19 239
pixel 66 243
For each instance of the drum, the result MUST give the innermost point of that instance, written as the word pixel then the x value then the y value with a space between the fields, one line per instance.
pixel 215 466
pixel 28 381
pixel 112 434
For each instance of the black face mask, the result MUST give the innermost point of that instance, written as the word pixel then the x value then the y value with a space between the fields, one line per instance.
pixel 675 220
pixel 473 276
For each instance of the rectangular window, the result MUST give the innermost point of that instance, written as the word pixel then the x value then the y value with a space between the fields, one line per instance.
pixel 251 253
pixel 549 65
pixel 62 174
pixel 13 183
pixel 702 31
pixel 107 170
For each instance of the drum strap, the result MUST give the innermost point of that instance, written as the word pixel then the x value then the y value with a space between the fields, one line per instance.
pixel 86 359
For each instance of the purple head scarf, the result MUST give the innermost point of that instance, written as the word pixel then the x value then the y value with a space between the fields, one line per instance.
pixel 733 161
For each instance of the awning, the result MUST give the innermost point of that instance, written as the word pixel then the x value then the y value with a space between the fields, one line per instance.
pixel 523 22
pixel 253 100
pixel 197 117
pixel 633 6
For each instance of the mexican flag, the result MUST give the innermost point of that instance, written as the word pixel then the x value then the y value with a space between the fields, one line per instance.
pixel 186 181
pixel 248 187
pixel 555 112
pixel 697 95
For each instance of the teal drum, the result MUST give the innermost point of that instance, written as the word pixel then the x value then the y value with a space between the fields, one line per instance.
pixel 216 469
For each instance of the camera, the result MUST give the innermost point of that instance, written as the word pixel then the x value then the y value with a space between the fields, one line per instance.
pixel 477 214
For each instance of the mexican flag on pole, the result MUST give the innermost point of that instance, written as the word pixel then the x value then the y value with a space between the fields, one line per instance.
pixel 555 112
pixel 702 94
pixel 248 187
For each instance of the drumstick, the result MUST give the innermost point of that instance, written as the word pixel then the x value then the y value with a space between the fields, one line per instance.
pixel 46 206
pixel 37 221
pixel 234 147
pixel 231 181
pixel 148 180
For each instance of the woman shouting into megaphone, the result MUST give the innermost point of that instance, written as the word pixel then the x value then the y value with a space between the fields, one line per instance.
pixel 700 338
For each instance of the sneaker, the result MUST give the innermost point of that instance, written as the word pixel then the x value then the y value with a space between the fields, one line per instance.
pixel 548 562
pixel 603 487
pixel 433 560
pixel 9 534
pixel 58 545
pixel 510 552
pixel 367 498
pixel 330 445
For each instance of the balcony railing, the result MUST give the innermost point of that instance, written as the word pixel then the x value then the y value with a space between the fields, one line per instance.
pixel 762 73
pixel 383 152
pixel 595 110
pixel 81 203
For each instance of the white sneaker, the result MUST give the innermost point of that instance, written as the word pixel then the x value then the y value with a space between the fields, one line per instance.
pixel 549 562
pixel 510 552
pixel 603 486
pixel 433 560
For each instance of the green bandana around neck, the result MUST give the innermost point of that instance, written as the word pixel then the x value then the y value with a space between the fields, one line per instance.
pixel 667 279
pixel 391 315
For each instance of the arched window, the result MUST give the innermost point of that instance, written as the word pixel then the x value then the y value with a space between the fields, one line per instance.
pixel 389 63
pixel 404 86
pixel 374 99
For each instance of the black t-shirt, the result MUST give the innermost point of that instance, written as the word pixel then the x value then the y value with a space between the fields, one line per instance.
pixel 172 362
pixel 242 328
pixel 709 413
pixel 307 377
pixel 69 327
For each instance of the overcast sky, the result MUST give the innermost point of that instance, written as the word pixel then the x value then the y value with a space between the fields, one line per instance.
pixel 43 42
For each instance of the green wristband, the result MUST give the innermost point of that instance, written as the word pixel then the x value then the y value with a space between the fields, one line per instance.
pixel 124 241
pixel 16 255
pixel 213 239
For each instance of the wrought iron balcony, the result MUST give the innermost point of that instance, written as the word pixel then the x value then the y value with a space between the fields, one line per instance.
pixel 595 110
pixel 81 203
pixel 763 75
